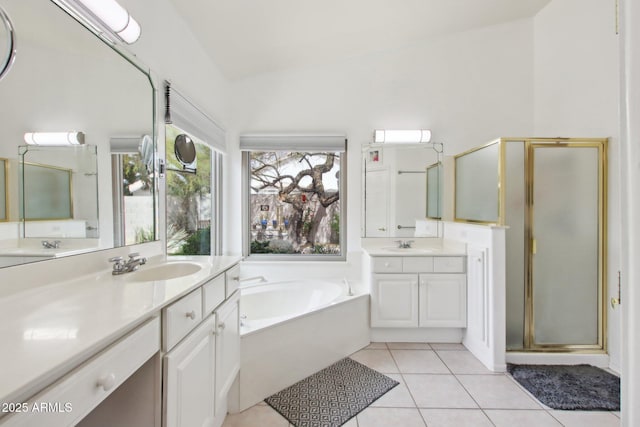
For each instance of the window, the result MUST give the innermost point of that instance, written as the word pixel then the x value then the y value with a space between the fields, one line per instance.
pixel 295 207
pixel 189 199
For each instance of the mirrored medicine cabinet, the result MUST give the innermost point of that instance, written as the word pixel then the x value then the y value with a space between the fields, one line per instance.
pixel 402 185
pixel 65 78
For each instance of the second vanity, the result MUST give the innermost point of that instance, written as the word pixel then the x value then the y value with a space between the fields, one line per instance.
pixel 417 293
pixel 140 348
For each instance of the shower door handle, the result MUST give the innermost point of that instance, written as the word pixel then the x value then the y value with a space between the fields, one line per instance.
pixel 534 246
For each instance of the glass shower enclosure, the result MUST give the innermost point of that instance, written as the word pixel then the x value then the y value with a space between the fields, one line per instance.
pixel 551 194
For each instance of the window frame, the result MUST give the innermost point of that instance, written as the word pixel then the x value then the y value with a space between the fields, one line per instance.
pixel 216 184
pixel 246 212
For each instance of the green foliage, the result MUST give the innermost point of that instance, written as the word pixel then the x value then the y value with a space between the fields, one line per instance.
pixel 198 243
pixel 335 225
pixel 260 247
pixel 145 235
pixel 134 170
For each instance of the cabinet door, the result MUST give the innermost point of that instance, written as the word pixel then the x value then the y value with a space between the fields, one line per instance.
pixel 443 300
pixel 227 345
pixel 189 372
pixel 394 300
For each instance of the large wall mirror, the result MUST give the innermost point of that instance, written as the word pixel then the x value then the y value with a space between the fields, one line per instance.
pixel 395 189
pixel 65 78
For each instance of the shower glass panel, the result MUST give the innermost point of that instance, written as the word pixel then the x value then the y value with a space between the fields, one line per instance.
pixel 515 242
pixel 565 242
pixel 477 175
pixel 434 191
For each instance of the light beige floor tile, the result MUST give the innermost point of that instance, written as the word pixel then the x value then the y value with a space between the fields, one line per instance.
pixel 455 418
pixel 438 391
pixel 380 360
pixel 586 418
pixel 447 346
pixel 419 362
pixel 387 417
pixel 497 392
pixel 397 397
pixel 462 362
pixel 521 418
pixel 376 346
pixel 256 416
pixel 353 422
pixel 408 346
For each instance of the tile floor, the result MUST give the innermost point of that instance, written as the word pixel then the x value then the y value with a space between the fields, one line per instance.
pixel 441 385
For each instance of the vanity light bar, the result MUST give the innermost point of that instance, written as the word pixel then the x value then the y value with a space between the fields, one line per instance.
pixel 401 136
pixel 54 138
pixel 114 16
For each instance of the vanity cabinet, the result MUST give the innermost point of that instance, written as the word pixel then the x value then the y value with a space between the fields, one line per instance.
pixel 412 292
pixel 394 300
pixel 227 345
pixel 189 378
pixel 70 399
pixel 203 357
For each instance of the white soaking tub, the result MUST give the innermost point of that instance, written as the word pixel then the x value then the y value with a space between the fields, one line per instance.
pixel 264 305
pixel 293 328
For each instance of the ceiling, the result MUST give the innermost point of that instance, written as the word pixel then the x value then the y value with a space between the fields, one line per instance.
pixel 249 37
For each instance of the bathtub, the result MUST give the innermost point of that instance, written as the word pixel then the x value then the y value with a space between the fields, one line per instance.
pixel 263 305
pixel 291 329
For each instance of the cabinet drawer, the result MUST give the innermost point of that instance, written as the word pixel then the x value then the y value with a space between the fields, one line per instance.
pixel 387 264
pixel 233 279
pixel 417 264
pixel 448 264
pixel 180 318
pixel 213 294
pixel 70 399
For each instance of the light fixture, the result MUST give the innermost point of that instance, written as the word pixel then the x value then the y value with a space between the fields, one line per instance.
pixel 115 17
pixel 402 136
pixel 54 138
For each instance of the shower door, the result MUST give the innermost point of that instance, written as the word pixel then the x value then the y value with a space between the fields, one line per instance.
pixel 565 277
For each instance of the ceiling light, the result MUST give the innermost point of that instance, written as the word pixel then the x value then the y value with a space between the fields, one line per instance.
pixel 115 17
pixel 402 136
pixel 54 138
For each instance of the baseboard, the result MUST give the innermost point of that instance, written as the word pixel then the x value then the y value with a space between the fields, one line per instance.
pixel 436 335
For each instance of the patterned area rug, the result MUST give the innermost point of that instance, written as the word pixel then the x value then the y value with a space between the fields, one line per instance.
pixel 576 387
pixel 332 396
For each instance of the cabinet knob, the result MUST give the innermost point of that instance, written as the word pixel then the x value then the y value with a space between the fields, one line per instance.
pixel 236 278
pixel 386 264
pixel 221 325
pixel 107 382
pixel 191 315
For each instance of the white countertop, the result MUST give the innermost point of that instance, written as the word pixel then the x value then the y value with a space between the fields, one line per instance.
pixel 47 331
pixel 419 247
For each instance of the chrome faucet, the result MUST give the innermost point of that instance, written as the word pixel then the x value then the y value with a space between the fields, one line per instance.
pixel 54 244
pixel 404 244
pixel 121 266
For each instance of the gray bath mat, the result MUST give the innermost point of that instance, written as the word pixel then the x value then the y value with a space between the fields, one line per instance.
pixel 332 396
pixel 576 387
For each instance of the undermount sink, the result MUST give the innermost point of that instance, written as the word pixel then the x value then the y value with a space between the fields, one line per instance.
pixel 408 250
pixel 170 270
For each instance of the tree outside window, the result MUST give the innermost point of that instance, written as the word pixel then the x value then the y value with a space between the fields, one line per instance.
pixel 295 203
pixel 189 200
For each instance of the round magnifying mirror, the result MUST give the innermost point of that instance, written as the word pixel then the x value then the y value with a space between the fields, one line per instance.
pixel 7 43
pixel 185 149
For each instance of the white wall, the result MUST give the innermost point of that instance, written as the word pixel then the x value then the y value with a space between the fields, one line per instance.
pixel 630 208
pixel 468 87
pixel 577 95
pixel 170 49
